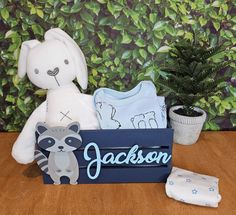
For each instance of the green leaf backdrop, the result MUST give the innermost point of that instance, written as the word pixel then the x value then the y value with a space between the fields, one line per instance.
pixel 124 41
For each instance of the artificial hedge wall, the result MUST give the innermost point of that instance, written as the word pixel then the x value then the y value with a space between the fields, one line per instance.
pixel 124 41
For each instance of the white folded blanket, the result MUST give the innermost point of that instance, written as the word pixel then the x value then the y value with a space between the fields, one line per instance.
pixel 189 187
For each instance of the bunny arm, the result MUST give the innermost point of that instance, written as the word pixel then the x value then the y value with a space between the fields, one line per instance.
pixel 23 148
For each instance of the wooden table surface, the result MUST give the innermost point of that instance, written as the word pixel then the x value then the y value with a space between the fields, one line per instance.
pixel 22 191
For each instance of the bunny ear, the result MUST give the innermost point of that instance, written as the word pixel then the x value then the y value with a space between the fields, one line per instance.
pixel 24 52
pixel 76 54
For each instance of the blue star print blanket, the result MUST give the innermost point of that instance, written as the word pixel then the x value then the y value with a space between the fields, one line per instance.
pixel 193 188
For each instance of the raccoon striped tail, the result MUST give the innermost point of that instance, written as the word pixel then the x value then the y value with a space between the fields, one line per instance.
pixel 41 160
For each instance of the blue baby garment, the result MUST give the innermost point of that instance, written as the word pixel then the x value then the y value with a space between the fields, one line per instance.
pixel 137 108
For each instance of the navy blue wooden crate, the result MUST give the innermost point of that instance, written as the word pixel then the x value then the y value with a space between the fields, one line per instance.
pixel 117 141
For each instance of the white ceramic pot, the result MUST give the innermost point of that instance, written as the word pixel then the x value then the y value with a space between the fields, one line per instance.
pixel 186 129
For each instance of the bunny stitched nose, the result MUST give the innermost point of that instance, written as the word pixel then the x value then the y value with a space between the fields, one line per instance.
pixel 53 72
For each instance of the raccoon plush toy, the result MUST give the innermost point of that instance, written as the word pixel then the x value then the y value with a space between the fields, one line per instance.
pixel 60 142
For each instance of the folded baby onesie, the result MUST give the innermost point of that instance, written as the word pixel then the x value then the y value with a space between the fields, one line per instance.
pixel 188 187
pixel 137 108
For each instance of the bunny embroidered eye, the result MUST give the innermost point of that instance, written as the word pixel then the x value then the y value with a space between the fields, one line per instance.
pixel 36 71
pixel 66 61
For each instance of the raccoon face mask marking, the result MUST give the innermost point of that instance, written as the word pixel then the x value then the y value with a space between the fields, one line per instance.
pixel 46 142
pixel 73 141
pixel 59 139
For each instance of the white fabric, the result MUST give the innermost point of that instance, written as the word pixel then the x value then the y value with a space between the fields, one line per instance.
pixel 53 64
pixel 66 104
pixel 23 148
pixel 59 55
pixel 189 187
pixel 63 106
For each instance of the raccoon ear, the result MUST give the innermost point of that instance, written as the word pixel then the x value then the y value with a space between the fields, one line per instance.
pixel 74 126
pixel 41 127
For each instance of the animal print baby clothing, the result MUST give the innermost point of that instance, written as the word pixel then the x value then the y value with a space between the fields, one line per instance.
pixel 138 108
pixel 189 187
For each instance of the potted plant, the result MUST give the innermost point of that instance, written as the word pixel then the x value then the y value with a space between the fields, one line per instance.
pixel 191 75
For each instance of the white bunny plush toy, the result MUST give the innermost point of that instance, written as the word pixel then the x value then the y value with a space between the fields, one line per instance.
pixel 53 64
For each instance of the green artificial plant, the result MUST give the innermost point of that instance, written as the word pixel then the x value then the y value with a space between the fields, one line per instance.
pixel 191 75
